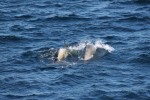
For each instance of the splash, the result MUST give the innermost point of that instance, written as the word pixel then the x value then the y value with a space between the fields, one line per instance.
pixel 97 44
pixel 100 44
pixel 76 52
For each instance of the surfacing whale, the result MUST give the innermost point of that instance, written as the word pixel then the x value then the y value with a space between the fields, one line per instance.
pixel 89 52
pixel 84 51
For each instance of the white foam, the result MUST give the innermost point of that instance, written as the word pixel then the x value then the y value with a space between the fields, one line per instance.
pixel 100 44
pixel 80 46
pixel 97 44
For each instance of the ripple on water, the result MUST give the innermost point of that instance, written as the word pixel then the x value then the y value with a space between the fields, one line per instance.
pixel 143 58
pixel 23 16
pixel 11 38
pixel 113 37
pixel 68 80
pixel 67 17
pixel 142 2
pixel 17 28
pixel 96 95
pixel 23 28
pixel 134 17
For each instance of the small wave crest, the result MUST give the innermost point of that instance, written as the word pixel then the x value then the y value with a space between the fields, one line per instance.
pixel 66 16
pixel 23 16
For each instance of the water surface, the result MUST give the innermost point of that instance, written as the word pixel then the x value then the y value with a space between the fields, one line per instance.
pixel 31 31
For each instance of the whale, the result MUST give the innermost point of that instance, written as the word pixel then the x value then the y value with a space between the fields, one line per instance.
pixel 89 52
pixel 62 54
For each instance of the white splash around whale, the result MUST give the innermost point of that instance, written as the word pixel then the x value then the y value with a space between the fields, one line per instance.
pixel 85 50
pixel 96 44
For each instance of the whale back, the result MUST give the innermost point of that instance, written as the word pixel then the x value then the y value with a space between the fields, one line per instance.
pixel 89 52
pixel 62 54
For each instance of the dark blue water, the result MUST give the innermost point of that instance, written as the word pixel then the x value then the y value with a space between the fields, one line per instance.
pixel 31 32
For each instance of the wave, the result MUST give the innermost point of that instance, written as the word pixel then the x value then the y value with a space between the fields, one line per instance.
pixel 6 18
pixel 17 28
pixel 134 17
pixel 112 37
pixel 11 38
pixel 145 2
pixel 67 16
pixel 23 16
pixel 143 58
pixel 140 2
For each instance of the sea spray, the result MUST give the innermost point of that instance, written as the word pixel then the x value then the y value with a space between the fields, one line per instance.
pixel 96 44
pixel 100 44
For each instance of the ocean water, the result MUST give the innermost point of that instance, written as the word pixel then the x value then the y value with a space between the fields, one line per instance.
pixel 32 31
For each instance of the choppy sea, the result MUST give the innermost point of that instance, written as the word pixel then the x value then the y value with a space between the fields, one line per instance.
pixel 32 31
